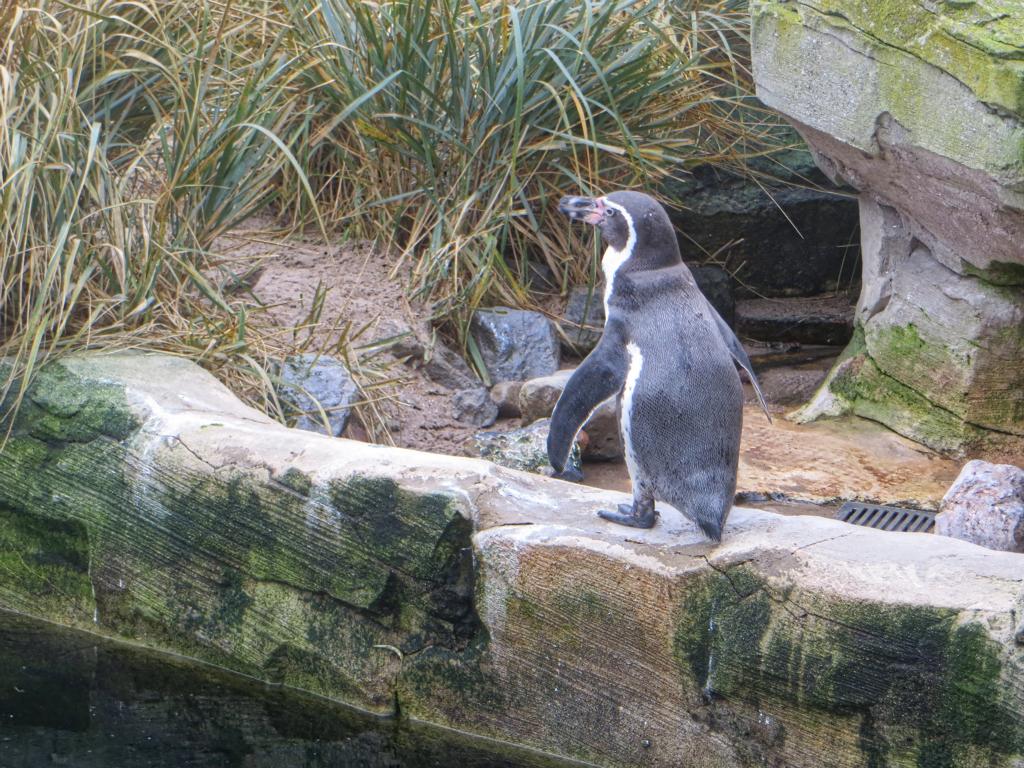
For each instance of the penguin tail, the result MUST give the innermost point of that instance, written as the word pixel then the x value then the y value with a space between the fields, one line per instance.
pixel 712 529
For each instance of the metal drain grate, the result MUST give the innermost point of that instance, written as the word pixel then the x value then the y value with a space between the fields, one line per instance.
pixel 886 518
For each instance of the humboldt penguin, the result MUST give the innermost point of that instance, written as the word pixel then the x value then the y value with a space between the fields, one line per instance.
pixel 670 359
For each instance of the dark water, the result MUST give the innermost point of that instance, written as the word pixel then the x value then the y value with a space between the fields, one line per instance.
pixel 70 699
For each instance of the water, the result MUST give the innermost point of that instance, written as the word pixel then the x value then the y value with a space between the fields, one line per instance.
pixel 68 698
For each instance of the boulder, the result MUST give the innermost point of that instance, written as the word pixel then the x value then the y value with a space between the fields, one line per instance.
pixel 985 506
pixel 584 318
pixel 920 109
pixel 526 449
pixel 777 238
pixel 314 387
pixel 441 364
pixel 140 500
pixel 537 399
pixel 474 406
pixel 515 344
pixel 506 395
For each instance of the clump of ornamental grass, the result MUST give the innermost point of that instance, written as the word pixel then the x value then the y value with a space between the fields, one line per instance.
pixel 450 128
pixel 132 134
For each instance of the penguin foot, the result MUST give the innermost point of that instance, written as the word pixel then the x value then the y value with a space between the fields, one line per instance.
pixel 631 516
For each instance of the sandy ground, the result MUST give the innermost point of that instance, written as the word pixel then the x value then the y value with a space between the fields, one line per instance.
pixel 364 296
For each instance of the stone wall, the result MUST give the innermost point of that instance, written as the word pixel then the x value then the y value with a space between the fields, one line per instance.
pixel 919 106
pixel 140 500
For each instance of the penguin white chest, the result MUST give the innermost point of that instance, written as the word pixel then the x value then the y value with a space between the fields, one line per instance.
pixel 610 263
pixel 636 364
pixel 615 257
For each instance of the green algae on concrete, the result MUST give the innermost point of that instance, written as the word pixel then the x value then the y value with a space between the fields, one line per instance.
pixel 883 684
pixel 871 394
pixel 126 532
pixel 639 649
pixel 841 80
pixel 968 377
pixel 981 43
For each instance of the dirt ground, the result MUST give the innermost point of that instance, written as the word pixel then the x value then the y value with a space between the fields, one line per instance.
pixel 364 296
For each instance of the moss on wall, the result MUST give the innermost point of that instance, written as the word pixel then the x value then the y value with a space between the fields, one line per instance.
pixel 892 684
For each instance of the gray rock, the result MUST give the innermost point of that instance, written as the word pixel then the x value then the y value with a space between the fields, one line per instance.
pixel 985 506
pixel 537 397
pixel 310 383
pixel 407 343
pixel 441 364
pixel 824 320
pixel 537 400
pixel 515 344
pixel 526 449
pixel 446 367
pixel 584 318
pixel 506 395
pixel 474 406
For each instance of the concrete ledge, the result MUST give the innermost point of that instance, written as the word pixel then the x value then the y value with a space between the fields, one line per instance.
pixel 139 499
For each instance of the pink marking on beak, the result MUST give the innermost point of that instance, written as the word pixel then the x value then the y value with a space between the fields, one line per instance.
pixel 596 215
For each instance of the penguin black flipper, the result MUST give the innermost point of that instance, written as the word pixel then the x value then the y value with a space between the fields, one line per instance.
pixel 740 356
pixel 598 378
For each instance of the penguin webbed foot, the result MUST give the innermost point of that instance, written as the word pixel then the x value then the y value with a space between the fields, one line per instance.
pixel 631 515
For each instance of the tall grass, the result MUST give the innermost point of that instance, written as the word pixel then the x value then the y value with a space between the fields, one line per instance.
pixel 131 135
pixel 452 126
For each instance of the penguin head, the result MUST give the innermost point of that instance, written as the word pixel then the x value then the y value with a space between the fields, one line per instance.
pixel 628 221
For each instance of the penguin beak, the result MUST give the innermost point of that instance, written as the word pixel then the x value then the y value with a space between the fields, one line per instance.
pixel 589 209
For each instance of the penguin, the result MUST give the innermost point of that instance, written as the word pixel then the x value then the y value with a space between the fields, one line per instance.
pixel 671 360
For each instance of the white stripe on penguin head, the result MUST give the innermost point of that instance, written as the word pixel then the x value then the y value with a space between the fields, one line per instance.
pixel 613 259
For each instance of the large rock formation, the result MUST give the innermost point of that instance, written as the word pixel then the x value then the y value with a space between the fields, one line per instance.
pixel 139 499
pixel 920 106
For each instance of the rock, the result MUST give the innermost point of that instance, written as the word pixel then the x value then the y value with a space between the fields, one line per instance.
pixel 311 382
pixel 537 397
pixel 826 320
pixel 537 400
pixel 506 395
pixel 985 506
pixel 922 112
pixel 779 239
pixel 716 285
pixel 139 500
pixel 441 364
pixel 447 368
pixel 406 342
pixel 540 277
pixel 525 449
pixel 584 318
pixel 474 406
pixel 515 344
